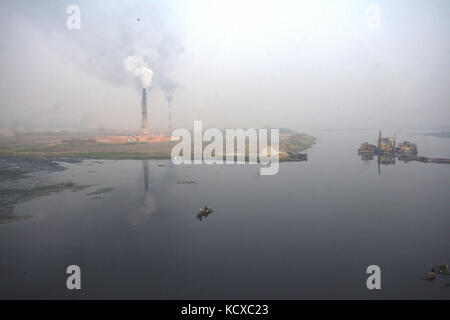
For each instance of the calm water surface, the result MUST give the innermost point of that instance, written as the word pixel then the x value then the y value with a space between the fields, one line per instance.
pixel 308 232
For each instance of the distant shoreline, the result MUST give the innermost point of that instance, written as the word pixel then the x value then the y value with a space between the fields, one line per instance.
pixel 438 134
pixel 39 146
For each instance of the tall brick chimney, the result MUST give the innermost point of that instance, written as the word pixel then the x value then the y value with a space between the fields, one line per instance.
pixel 170 115
pixel 144 124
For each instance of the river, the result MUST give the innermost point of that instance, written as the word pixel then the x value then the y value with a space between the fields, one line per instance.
pixel 308 232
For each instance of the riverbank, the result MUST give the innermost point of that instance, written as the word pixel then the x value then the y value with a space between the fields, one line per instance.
pixel 39 146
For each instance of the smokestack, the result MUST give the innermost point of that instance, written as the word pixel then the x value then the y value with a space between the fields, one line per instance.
pixel 170 115
pixel 144 125
pixel 169 98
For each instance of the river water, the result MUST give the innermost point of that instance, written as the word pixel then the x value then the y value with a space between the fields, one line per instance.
pixel 308 232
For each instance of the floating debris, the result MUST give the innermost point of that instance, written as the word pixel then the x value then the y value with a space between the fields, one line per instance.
pixel 100 192
pixel 187 182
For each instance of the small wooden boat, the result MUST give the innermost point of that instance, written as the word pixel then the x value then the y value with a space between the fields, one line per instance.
pixel 430 276
pixel 205 211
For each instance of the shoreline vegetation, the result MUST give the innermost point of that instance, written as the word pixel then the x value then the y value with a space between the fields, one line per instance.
pixel 51 146
pixel 438 134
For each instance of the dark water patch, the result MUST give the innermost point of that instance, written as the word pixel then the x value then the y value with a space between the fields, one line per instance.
pixel 11 197
pixel 68 160
pixel 16 186
pixel 100 192
pixel 7 215
pixel 11 174
pixel 17 168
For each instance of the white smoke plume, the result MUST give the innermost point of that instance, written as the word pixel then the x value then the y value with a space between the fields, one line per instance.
pixel 137 66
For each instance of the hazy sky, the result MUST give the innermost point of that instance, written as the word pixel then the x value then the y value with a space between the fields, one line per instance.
pixel 298 64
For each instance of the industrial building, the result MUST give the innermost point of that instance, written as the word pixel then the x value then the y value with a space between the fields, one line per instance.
pixel 387 145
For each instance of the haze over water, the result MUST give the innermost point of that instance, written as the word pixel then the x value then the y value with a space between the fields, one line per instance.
pixel 291 63
pixel 308 232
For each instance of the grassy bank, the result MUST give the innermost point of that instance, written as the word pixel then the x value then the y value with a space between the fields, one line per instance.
pixel 290 141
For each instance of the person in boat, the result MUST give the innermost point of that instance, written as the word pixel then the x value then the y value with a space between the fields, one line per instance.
pixel 444 269
pixel 205 211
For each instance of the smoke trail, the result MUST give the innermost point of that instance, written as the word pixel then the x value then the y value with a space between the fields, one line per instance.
pixel 169 87
pixel 136 65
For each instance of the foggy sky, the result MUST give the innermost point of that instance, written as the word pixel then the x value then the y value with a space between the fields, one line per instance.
pixel 297 64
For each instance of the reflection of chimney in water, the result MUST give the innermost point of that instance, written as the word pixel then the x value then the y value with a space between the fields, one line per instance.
pixel 144 125
pixel 145 168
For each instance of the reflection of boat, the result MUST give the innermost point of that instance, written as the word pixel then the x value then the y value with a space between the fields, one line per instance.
pixel 298 156
pixel 386 159
pixel 366 156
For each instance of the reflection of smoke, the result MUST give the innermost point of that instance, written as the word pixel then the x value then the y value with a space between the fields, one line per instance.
pixel 169 87
pixel 148 206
